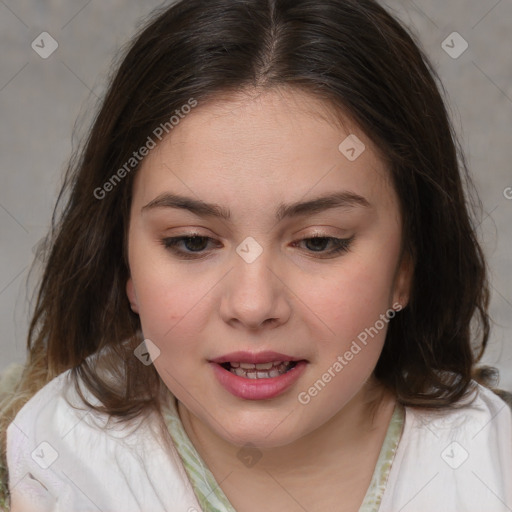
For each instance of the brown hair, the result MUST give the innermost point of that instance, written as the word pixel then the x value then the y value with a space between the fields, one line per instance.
pixel 360 60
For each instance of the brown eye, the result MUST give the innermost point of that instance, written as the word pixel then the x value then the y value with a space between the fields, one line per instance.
pixel 194 245
pixel 318 244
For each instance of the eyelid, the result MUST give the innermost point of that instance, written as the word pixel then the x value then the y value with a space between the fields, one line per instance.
pixel 317 233
pixel 341 246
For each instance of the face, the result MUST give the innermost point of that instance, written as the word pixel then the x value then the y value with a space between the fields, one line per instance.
pixel 252 285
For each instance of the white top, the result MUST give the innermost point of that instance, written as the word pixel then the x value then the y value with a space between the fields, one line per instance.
pixel 61 460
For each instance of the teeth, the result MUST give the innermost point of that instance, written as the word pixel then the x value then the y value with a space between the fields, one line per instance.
pixel 259 366
pixel 265 366
pixel 276 369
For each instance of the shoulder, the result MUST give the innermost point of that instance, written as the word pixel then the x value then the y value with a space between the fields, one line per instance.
pixel 40 410
pixel 459 458
pixel 483 409
pixel 42 437
pixel 50 414
pixel 64 455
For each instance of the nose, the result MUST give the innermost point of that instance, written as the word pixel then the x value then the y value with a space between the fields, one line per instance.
pixel 255 296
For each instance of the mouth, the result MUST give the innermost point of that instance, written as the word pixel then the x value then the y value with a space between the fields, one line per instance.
pixel 257 376
pixel 261 370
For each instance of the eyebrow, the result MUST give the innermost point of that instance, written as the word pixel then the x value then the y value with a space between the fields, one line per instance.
pixel 344 199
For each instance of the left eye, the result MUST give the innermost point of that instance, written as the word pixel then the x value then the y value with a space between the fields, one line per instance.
pixel 317 242
pixel 195 245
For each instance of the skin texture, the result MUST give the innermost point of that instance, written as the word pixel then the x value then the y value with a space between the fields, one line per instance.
pixel 251 153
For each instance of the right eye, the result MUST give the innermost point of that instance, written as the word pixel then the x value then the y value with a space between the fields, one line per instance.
pixel 193 243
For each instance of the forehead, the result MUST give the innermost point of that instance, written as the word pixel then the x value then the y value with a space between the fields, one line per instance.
pixel 280 118
pixel 254 145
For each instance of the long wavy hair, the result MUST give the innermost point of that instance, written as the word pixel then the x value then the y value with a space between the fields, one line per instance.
pixel 361 61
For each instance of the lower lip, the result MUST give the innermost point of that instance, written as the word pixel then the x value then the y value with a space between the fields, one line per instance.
pixel 258 389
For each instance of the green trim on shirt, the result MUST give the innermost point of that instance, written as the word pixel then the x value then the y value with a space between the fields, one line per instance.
pixel 212 498
pixel 375 492
pixel 207 490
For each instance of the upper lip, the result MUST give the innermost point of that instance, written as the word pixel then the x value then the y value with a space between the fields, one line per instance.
pixel 254 357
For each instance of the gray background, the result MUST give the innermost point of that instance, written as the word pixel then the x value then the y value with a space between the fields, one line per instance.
pixel 41 99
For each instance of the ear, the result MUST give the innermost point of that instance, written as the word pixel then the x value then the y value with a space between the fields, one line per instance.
pixel 130 292
pixel 403 281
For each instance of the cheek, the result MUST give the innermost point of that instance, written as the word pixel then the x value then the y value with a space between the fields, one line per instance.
pixel 355 305
pixel 352 298
pixel 169 305
pixel 159 307
pixel 163 288
pixel 163 295
pixel 174 306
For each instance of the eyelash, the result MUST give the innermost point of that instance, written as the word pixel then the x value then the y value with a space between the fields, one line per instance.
pixel 341 245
